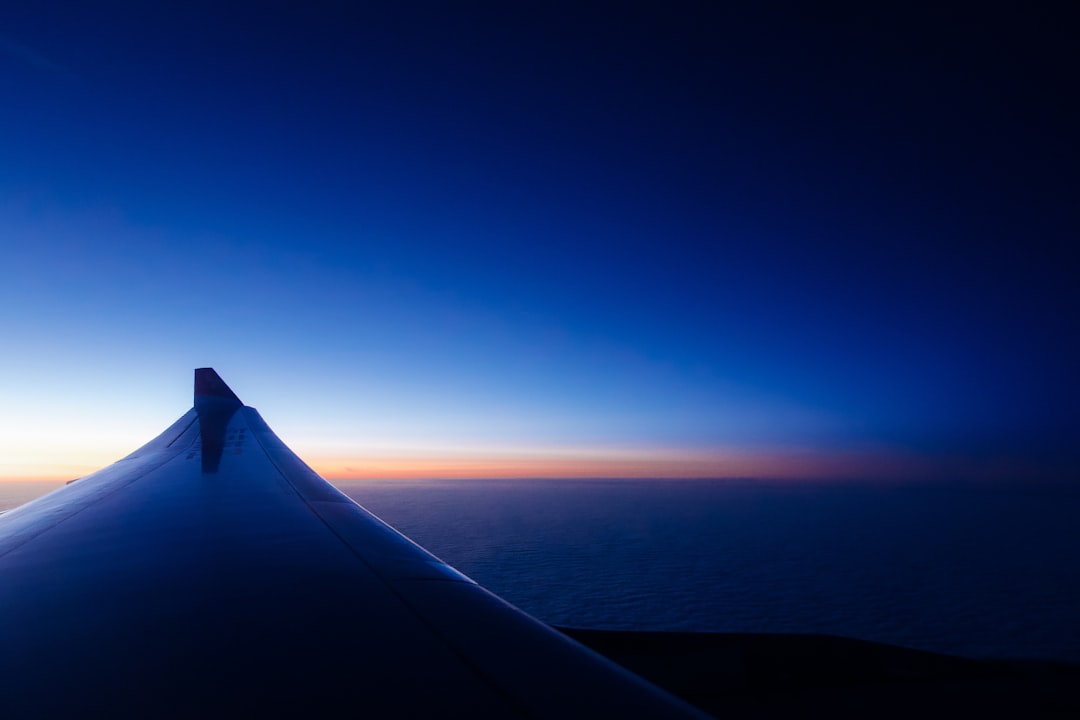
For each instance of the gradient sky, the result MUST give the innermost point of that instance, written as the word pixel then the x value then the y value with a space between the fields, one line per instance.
pixel 545 238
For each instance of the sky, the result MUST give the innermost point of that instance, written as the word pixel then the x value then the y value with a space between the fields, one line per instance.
pixel 680 239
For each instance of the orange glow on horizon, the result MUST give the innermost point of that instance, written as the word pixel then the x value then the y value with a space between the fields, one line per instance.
pixel 44 473
pixel 793 465
pixel 779 464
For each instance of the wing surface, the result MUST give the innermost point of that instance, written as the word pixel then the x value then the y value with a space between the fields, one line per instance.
pixel 212 571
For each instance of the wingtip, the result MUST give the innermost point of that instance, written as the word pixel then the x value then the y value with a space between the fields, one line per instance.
pixel 208 384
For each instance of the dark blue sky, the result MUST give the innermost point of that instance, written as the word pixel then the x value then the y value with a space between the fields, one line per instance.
pixel 557 228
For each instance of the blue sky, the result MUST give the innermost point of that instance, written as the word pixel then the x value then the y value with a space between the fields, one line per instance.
pixel 549 232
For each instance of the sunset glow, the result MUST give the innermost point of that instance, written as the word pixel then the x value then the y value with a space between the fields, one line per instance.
pixel 577 243
pixel 600 464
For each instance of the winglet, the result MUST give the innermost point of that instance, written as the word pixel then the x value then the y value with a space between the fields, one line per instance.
pixel 215 403
pixel 208 384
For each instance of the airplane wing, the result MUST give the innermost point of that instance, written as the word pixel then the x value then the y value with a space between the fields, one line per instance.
pixel 211 571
